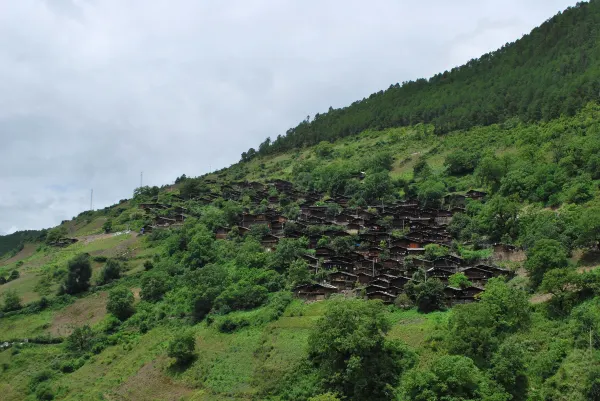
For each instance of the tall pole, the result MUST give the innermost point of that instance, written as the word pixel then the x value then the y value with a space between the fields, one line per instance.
pixel 92 199
pixel 141 179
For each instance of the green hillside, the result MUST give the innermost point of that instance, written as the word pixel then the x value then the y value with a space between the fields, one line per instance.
pixel 210 288
pixel 550 72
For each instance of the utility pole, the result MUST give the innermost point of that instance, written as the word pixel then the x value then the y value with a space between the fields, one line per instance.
pixel 92 199
pixel 141 178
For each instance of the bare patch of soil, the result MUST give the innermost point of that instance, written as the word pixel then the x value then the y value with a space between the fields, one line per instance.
pixel 89 310
pixel 151 383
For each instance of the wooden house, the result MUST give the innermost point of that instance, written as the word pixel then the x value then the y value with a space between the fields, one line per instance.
pixel 381 282
pixel 399 281
pixel 343 280
pixel 384 296
pixel 374 287
pixel 352 228
pixel 364 277
pixel 164 221
pixel 475 195
pixel 249 220
pixel 180 217
pixel 439 274
pixel 477 275
pixel 324 252
pixel 269 242
pixel 336 264
pixel 221 233
pixel 314 292
pixel 311 260
pixel 415 251
pixel 495 270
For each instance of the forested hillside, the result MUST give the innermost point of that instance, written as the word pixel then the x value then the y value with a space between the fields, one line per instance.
pixel 13 243
pixel 550 72
pixel 436 242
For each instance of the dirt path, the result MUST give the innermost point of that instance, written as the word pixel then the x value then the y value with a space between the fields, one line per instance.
pixel 91 238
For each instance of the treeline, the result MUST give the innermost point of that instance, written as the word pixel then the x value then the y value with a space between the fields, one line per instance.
pixel 14 242
pixel 550 72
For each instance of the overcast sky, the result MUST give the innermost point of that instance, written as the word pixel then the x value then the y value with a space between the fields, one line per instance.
pixel 94 91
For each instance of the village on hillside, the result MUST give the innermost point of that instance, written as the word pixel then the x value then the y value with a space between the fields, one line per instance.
pixel 387 241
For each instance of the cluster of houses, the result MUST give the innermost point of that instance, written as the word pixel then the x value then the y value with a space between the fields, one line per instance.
pixel 63 242
pixel 387 241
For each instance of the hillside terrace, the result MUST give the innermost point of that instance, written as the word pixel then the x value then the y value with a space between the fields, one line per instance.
pixel 381 263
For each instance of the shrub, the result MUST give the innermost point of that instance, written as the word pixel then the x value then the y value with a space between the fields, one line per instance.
pixel 459 280
pixel 182 347
pixel 111 271
pixel 14 275
pixel 154 286
pixel 428 295
pixel 352 356
pixel 461 162
pixel 230 324
pixel 79 274
pixel 148 265
pixel 120 303
pixel 38 378
pixel 242 295
pixel 402 301
pixel 81 340
pixel 44 392
pixel 107 226
pixel 12 301
pixel 546 254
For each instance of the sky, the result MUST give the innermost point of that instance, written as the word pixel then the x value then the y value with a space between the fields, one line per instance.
pixel 93 92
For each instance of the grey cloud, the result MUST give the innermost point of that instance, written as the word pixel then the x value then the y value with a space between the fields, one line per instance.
pixel 95 91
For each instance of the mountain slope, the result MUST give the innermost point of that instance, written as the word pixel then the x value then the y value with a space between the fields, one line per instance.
pixel 551 71
pixel 101 299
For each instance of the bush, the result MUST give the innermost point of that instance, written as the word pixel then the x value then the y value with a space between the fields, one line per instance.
pixel 402 301
pixel 44 392
pixel 38 378
pixel 14 275
pixel 107 226
pixel 242 295
pixel 79 274
pixel 450 378
pixel 459 280
pixel 182 348
pixel 352 356
pixel 546 254
pixel 111 271
pixel 230 324
pixel 12 301
pixel 81 340
pixel 154 286
pixel 428 295
pixel 100 259
pixel 461 162
pixel 148 265
pixel 120 303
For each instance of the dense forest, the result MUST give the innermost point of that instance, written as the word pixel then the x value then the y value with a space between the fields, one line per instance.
pixel 550 72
